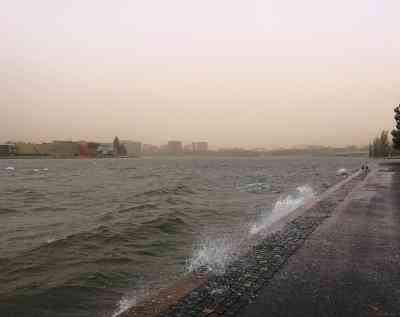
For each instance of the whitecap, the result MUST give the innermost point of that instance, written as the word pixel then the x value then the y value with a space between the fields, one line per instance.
pixel 256 187
pixel 342 172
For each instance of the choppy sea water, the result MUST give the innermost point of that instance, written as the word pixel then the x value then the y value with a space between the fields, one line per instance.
pixel 92 237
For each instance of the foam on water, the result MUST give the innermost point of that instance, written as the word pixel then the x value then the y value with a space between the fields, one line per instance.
pixel 256 187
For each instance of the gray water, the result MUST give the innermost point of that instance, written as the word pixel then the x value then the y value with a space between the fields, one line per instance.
pixel 90 237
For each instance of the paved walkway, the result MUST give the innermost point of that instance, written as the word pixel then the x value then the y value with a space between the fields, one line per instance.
pixel 349 266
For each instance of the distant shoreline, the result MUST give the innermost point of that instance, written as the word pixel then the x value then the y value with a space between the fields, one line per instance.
pixel 211 154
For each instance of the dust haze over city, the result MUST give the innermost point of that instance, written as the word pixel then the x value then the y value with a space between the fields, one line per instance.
pixel 234 73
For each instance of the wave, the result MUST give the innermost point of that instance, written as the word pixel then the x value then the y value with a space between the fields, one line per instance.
pixel 138 207
pixel 177 190
pixel 170 223
pixel 7 211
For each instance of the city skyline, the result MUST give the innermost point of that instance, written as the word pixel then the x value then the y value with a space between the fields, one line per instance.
pixel 192 144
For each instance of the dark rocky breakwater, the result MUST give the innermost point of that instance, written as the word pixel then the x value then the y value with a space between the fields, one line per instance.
pixel 225 295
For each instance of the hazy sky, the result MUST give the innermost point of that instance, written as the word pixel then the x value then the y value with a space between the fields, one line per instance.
pixel 247 73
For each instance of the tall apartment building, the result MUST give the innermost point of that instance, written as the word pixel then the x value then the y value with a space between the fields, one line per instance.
pixel 200 147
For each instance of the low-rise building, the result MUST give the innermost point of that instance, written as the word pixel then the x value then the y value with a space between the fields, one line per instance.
pixel 7 149
pixel 88 149
pixel 133 148
pixel 175 147
pixel 150 149
pixel 188 148
pixel 27 149
pixel 64 149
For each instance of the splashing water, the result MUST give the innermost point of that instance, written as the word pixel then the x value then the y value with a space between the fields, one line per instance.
pixel 283 207
pixel 124 304
pixel 216 254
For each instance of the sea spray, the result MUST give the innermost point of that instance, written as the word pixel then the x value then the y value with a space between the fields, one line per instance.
pixel 124 304
pixel 282 208
pixel 134 297
pixel 215 254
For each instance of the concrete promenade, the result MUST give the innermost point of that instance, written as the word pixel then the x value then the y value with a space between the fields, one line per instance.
pixel 339 256
pixel 350 266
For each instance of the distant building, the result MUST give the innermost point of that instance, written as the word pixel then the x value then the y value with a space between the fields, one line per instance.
pixel 200 147
pixel 188 148
pixel 8 149
pixel 133 149
pixel 64 149
pixel 164 148
pixel 88 149
pixel 150 149
pixel 105 150
pixel 175 147
pixel 57 149
pixel 23 148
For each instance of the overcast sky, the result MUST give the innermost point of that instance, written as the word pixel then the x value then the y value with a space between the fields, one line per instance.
pixel 246 73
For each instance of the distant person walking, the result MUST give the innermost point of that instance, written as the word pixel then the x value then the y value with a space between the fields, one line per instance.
pixel 365 169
